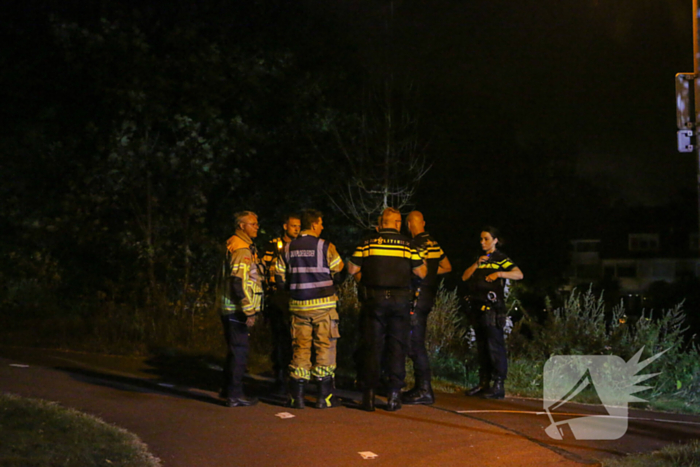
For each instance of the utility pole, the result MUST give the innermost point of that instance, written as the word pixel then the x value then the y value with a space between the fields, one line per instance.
pixel 696 72
pixel 687 127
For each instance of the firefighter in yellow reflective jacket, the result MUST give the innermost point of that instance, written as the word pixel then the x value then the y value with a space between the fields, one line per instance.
pixel 307 267
pixel 241 301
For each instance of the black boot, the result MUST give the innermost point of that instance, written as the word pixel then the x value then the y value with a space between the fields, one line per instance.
pixel 497 391
pixel 368 400
pixel 241 401
pixel 326 396
pixel 410 393
pixel 296 393
pixel 393 401
pixel 482 387
pixel 423 394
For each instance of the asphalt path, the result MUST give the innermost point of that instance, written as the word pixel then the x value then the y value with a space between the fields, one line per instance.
pixel 171 404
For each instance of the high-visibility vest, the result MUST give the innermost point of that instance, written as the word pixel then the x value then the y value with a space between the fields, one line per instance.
pixel 308 272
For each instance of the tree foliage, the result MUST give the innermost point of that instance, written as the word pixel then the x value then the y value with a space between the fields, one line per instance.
pixel 138 130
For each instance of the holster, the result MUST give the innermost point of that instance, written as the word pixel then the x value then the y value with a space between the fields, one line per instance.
pixel 488 313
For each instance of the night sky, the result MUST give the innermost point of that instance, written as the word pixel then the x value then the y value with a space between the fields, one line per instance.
pixel 590 83
pixel 536 114
pixel 594 78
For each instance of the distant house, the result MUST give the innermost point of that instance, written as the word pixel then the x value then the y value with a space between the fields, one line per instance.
pixel 653 251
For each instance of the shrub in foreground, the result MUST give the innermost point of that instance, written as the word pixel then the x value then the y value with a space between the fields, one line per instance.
pixel 40 433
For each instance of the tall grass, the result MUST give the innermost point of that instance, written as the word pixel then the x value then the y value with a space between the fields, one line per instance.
pixel 582 327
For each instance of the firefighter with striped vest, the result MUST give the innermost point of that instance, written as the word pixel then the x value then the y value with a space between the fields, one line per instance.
pixel 384 264
pixel 425 290
pixel 307 267
pixel 241 301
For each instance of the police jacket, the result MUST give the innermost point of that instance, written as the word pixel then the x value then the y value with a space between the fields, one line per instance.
pixel 429 250
pixel 387 260
pixel 479 289
pixel 242 291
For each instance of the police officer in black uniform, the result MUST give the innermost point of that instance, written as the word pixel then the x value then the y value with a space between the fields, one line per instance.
pixel 384 265
pixel 424 292
pixel 277 302
pixel 486 280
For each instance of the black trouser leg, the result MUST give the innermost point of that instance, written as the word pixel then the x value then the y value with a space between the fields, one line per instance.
pixel 417 351
pixel 374 328
pixel 386 328
pixel 482 351
pixel 398 329
pixel 497 352
pixel 281 339
pixel 236 334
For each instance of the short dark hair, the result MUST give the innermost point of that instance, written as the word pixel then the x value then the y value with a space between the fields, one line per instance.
pixel 308 217
pixel 291 215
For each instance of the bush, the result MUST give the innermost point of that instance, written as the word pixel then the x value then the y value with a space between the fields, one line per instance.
pixel 451 356
pixel 581 327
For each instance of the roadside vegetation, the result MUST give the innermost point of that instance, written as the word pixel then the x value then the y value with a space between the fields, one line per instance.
pixel 37 433
pixel 582 325
pixel 673 455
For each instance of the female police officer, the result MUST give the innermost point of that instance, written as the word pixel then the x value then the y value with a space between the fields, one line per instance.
pixel 486 306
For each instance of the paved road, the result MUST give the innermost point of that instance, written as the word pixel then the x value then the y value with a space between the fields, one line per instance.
pixel 171 404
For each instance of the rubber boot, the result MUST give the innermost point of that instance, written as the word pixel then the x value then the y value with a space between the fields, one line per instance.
pixel 482 387
pixel 422 396
pixel 497 391
pixel 368 400
pixel 296 393
pixel 393 401
pixel 326 396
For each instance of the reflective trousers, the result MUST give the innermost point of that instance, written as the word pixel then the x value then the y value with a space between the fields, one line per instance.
pixel 317 328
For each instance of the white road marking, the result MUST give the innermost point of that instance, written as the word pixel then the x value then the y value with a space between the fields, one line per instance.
pixel 525 412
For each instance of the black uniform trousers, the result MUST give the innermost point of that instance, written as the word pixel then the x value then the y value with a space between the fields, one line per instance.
pixel 419 324
pixel 236 334
pixel 277 312
pixel 490 340
pixel 386 327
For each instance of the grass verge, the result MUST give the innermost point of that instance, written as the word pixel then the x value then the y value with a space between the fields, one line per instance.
pixel 37 433
pixel 674 455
